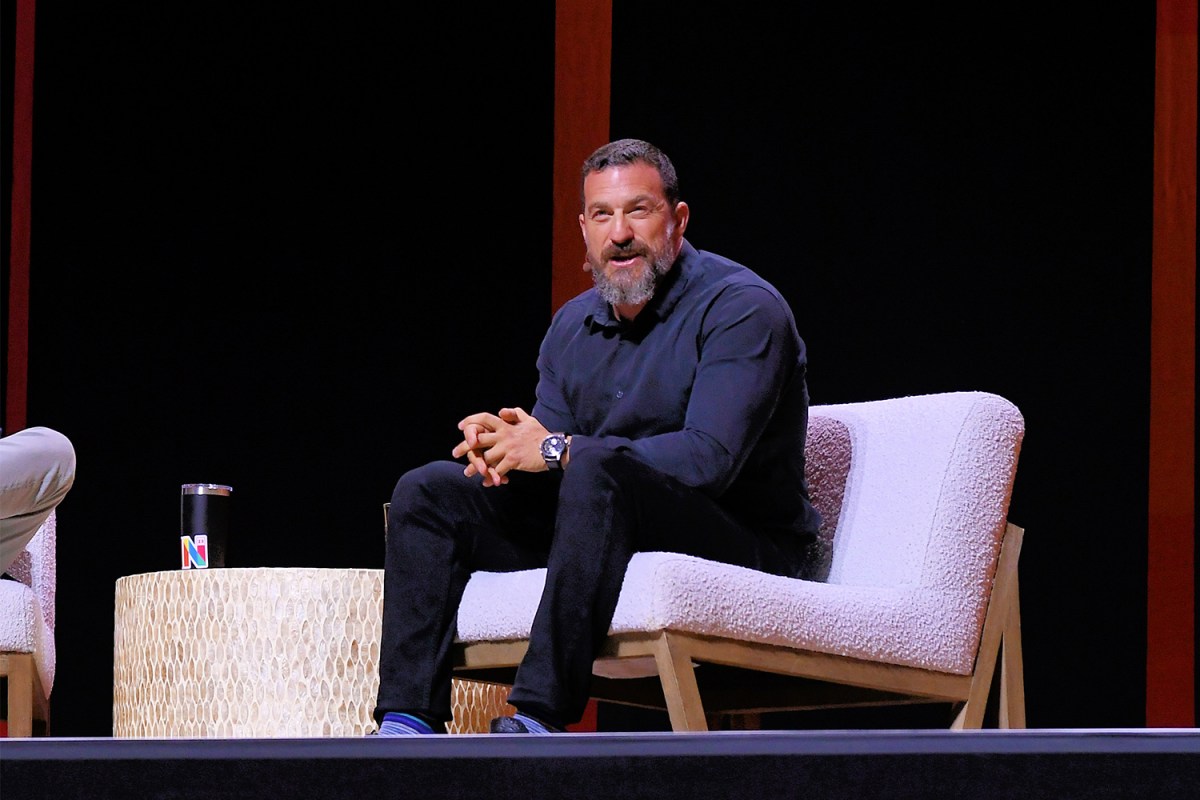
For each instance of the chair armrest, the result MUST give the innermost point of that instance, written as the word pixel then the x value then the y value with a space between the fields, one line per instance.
pixel 37 566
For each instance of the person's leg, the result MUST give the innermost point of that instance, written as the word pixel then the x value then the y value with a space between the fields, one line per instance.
pixel 441 527
pixel 37 469
pixel 610 506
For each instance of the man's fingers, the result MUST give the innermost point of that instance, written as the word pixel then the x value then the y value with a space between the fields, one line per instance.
pixel 475 437
pixel 471 433
pixel 513 415
pixel 483 444
pixel 475 463
pixel 488 421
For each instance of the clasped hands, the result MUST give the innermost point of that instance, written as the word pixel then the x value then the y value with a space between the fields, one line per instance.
pixel 497 444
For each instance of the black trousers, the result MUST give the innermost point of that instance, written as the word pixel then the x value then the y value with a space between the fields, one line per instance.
pixel 583 524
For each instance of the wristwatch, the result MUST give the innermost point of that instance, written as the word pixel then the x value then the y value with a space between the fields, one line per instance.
pixel 553 448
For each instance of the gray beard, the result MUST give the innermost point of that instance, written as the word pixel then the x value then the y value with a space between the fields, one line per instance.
pixel 636 293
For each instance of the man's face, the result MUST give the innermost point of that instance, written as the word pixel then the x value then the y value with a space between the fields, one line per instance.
pixel 631 232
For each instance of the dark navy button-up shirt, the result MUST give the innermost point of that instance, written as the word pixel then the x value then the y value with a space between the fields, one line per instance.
pixel 706 384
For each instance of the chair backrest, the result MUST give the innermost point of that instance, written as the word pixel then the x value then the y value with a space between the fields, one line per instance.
pixel 915 490
pixel 37 566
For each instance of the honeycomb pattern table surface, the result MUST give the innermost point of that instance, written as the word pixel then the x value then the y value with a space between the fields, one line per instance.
pixel 258 653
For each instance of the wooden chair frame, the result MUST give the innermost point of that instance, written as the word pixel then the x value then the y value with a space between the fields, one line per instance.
pixel 26 695
pixel 26 699
pixel 689 666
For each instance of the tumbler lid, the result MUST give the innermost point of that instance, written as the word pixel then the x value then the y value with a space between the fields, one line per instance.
pixel 206 488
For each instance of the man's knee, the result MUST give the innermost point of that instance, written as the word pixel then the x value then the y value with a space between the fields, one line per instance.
pixel 57 445
pixel 437 479
pixel 41 463
pixel 63 453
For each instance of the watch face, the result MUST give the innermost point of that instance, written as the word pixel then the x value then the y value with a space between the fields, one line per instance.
pixel 553 446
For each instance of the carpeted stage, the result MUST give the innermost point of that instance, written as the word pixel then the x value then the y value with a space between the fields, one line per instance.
pixel 1028 764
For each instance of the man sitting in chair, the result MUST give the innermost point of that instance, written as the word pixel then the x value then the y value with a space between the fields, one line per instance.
pixel 670 415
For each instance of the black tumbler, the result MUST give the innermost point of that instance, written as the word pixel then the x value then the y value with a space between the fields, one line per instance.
pixel 203 525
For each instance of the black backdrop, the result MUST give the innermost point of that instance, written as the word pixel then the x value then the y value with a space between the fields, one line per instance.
pixel 286 250
pixel 951 200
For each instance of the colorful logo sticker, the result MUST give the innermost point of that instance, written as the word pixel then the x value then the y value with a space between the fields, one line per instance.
pixel 194 550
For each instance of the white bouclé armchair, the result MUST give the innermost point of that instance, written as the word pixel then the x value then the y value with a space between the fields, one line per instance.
pixel 918 602
pixel 27 655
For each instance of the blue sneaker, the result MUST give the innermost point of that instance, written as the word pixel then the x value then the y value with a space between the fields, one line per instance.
pixel 521 723
pixel 396 723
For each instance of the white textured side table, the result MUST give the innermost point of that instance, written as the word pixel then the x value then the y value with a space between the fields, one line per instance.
pixel 256 653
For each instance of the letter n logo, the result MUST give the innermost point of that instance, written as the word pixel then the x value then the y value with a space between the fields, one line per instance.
pixel 194 550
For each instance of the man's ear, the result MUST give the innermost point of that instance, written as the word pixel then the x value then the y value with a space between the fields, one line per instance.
pixel 682 212
pixel 587 267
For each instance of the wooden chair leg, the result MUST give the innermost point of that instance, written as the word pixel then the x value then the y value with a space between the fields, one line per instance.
pixel 968 718
pixel 995 626
pixel 18 667
pixel 678 678
pixel 1012 672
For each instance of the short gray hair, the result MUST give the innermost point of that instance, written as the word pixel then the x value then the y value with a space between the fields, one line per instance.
pixel 629 151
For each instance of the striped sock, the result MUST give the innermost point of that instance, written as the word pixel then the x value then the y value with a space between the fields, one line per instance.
pixel 396 723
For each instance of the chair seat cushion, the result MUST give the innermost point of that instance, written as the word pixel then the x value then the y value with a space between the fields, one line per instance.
pixel 23 628
pixel 668 591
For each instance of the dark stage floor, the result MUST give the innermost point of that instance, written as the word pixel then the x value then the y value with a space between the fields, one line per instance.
pixel 1030 764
